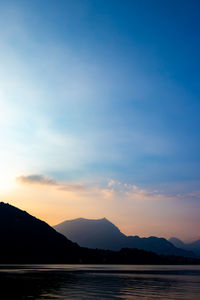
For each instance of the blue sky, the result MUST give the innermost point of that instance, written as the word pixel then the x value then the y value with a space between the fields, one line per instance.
pixel 93 91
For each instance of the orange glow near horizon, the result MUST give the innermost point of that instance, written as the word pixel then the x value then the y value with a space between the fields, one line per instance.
pixel 143 217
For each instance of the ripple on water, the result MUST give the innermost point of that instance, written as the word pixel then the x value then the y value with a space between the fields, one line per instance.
pixel 99 282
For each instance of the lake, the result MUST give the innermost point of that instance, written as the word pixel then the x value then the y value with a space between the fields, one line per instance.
pixel 99 282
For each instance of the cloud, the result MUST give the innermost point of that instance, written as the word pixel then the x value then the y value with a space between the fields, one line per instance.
pixel 71 187
pixel 124 190
pixel 121 190
pixel 36 179
pixel 39 179
pixel 113 190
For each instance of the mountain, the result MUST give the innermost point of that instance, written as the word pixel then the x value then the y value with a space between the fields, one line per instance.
pixel 194 246
pixel 102 234
pixel 25 238
pixel 177 242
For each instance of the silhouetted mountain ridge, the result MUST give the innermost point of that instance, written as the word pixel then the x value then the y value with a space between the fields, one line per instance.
pixel 102 234
pixel 193 246
pixel 26 239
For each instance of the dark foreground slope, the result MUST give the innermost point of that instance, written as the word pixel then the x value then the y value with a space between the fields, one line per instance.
pixel 103 234
pixel 26 239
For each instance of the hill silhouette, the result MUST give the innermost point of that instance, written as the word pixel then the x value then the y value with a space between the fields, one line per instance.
pixel 26 239
pixel 103 234
pixel 194 246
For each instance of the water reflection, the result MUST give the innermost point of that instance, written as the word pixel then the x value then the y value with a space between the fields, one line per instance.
pixel 99 283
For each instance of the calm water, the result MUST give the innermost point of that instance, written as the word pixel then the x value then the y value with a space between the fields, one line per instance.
pixel 99 282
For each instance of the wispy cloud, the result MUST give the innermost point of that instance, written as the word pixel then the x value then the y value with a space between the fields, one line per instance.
pixel 117 188
pixel 39 179
pixel 72 187
pixel 36 179
pixel 112 190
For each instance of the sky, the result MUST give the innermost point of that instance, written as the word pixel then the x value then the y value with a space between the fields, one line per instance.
pixel 99 112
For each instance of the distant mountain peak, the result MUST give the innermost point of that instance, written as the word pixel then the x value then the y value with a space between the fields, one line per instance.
pixel 103 234
pixel 87 219
pixel 192 246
